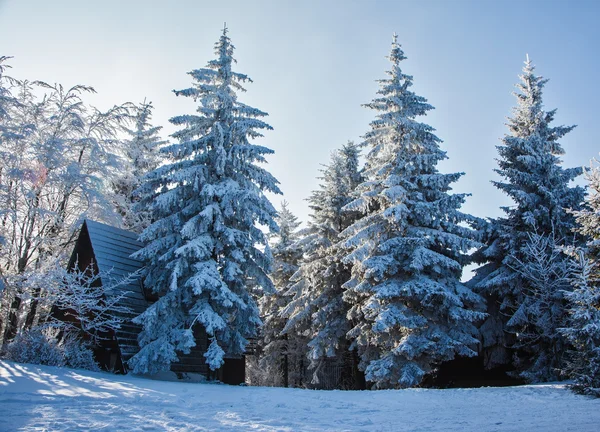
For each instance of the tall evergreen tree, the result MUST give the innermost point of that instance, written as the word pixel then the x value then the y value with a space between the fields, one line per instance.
pixel 317 308
pixel 204 244
pixel 279 351
pixel 582 329
pixel 533 178
pixel 410 310
pixel 141 156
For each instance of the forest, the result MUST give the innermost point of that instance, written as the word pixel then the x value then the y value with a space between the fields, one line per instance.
pixel 368 293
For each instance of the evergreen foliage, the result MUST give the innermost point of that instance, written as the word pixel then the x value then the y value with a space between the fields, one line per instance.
pixel 546 272
pixel 141 156
pixel 409 309
pixel 317 309
pixel 583 327
pixel 533 178
pixel 207 203
pixel 280 352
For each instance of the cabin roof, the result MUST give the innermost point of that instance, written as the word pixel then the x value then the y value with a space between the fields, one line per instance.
pixel 112 248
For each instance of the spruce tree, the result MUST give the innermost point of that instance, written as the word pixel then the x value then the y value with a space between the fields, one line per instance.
pixel 409 308
pixel 317 308
pixel 141 156
pixel 205 244
pixel 582 329
pixel 532 176
pixel 278 354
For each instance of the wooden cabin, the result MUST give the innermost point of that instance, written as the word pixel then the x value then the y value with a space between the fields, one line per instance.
pixel 107 249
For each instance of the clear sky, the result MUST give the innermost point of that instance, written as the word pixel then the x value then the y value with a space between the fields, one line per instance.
pixel 315 62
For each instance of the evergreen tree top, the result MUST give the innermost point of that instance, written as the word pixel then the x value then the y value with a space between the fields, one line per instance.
pixel 142 150
pixel 224 125
pixel 396 96
pixel 529 117
pixel 215 86
pixel 398 141
pixel 530 161
pixel 339 180
pixel 288 226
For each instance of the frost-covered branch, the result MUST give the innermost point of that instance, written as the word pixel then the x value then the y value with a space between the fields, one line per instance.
pixel 82 301
pixel 546 272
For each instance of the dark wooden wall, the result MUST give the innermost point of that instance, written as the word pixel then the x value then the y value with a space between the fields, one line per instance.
pixel 194 362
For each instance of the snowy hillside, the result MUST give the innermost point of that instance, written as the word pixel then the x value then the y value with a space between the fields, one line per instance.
pixel 47 398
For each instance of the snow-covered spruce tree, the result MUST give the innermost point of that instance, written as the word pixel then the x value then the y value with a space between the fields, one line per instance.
pixel 317 309
pixel 277 348
pixel 409 309
pixel 583 327
pixel 207 203
pixel 141 156
pixel 533 178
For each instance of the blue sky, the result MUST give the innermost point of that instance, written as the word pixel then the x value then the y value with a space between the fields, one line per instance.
pixel 315 62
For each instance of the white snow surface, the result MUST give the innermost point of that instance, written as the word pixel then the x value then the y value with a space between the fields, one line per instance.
pixel 41 398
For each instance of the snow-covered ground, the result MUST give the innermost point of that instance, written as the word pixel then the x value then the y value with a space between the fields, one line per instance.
pixel 47 399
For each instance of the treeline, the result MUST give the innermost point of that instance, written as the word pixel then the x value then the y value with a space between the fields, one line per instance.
pixel 368 294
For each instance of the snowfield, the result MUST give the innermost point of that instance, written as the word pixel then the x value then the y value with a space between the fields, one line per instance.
pixel 40 398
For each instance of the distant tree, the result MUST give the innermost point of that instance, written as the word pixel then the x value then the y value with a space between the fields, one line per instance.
pixel 276 347
pixel 409 309
pixel 141 156
pixel 317 309
pixel 207 202
pixel 533 178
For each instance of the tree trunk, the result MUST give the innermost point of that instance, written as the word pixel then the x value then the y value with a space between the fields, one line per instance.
pixel 359 377
pixel 286 371
pixel 32 312
pixel 12 320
